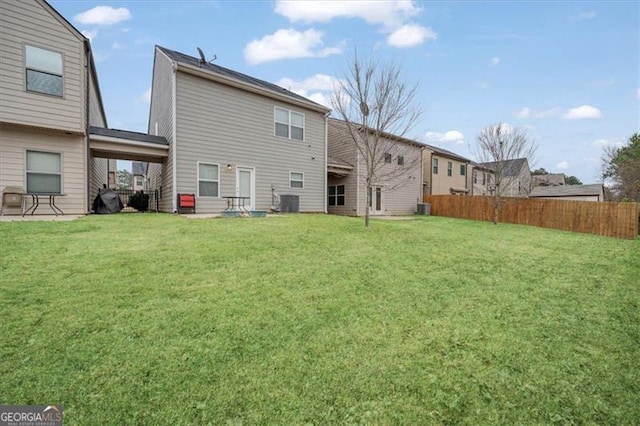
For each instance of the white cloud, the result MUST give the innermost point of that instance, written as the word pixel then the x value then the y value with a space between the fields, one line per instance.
pixel 638 93
pixel 495 60
pixel 605 143
pixel 602 84
pixel 582 112
pixel 288 43
pixel 452 136
pixel 410 35
pixel 318 88
pixel 145 97
pixel 563 165
pixel 585 15
pixel 388 13
pixel 481 85
pixel 393 15
pixel 527 112
pixel 115 45
pixel 91 35
pixel 103 15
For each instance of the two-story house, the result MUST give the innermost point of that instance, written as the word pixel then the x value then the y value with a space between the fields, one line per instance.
pixel 49 97
pixel 398 185
pixel 513 177
pixel 480 179
pixel 445 172
pixel 230 134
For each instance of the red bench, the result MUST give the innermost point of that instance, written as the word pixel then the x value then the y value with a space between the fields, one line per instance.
pixel 187 202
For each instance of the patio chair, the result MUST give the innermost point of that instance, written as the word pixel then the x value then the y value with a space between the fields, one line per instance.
pixel 187 202
pixel 12 198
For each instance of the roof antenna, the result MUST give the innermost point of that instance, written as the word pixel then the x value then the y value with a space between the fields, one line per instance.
pixel 203 59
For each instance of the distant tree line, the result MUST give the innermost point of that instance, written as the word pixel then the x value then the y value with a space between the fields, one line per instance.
pixel 621 166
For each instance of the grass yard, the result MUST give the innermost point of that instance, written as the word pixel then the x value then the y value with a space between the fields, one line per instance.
pixel 157 319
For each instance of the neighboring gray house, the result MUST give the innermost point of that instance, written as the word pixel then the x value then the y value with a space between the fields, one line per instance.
pixel 49 96
pixel 514 176
pixel 592 192
pixel 399 188
pixel 138 175
pixel 230 134
pixel 480 179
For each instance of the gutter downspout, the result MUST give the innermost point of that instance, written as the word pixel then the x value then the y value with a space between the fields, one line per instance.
pixel 421 175
pixel 326 149
pixel 431 173
pixel 87 50
pixel 173 145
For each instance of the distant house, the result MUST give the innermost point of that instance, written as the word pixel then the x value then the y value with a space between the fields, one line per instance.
pixel 138 175
pixel 549 179
pixel 515 176
pixel 592 192
pixel 396 192
pixel 230 134
pixel 445 172
pixel 480 179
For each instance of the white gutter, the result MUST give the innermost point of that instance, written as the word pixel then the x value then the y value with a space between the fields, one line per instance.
pixel 326 162
pixel 174 143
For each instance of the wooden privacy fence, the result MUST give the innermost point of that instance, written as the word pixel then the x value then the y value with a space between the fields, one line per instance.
pixel 619 220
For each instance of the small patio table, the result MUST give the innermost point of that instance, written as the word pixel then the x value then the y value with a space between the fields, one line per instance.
pixel 236 203
pixel 35 202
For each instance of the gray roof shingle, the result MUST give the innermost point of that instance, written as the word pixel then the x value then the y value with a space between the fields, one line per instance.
pixel 509 167
pixel 567 190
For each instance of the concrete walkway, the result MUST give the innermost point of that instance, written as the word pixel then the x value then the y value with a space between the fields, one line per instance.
pixel 40 218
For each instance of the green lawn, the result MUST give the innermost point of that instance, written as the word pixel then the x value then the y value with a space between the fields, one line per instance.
pixel 157 319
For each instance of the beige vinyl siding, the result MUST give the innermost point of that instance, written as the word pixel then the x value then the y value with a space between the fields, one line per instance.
pixel 340 147
pixel 95 110
pixel 161 175
pixel 400 193
pixel 30 23
pixel 14 142
pixel 98 176
pixel 478 188
pixel 442 183
pixel 222 125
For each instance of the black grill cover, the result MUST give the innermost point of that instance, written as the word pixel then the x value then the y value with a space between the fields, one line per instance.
pixel 107 201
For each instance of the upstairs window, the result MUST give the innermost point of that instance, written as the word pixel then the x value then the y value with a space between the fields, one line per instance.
pixel 43 71
pixel 44 172
pixel 463 170
pixel 387 157
pixel 449 168
pixel 289 124
pixel 400 160
pixel 434 166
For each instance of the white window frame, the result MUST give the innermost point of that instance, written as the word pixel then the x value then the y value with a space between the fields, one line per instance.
pixel 27 68
pixel 206 180
pixel 450 168
pixel 291 180
pixel 288 124
pixel 27 171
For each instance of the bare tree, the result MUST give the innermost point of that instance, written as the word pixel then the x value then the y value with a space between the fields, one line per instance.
pixel 498 147
pixel 378 109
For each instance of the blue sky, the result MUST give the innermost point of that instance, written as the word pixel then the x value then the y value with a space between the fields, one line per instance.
pixel 567 72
